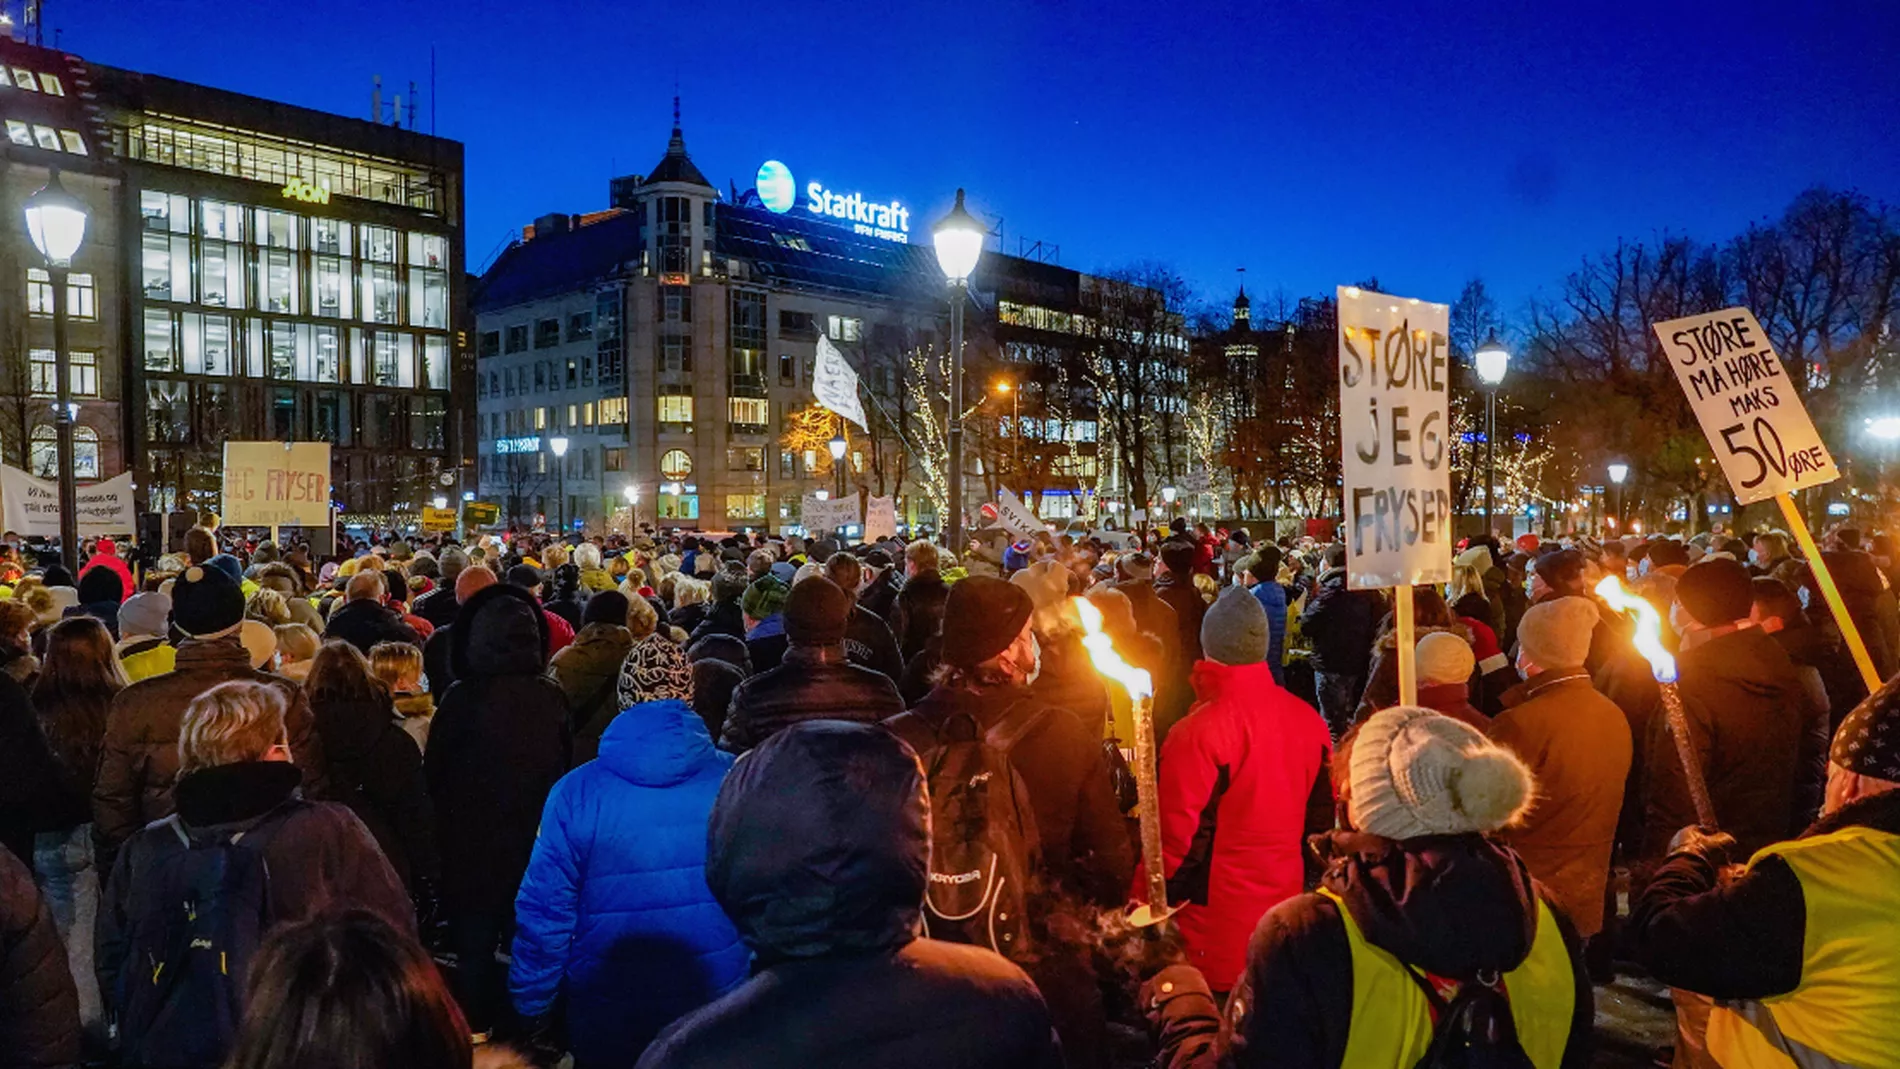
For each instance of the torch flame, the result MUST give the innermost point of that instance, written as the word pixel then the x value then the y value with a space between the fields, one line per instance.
pixel 1648 635
pixel 1102 652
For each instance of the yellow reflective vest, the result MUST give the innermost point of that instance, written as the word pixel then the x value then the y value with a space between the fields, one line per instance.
pixel 1846 1011
pixel 1392 1022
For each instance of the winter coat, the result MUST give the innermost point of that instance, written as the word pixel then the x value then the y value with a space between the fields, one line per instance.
pixel 1453 700
pixel 498 743
pixel 1577 745
pixel 438 606
pixel 868 642
pixel 319 857
pixel 36 794
pixel 1746 711
pixel 1825 671
pixel 613 911
pixel 39 1007
pixel 688 617
pixel 722 618
pixel 1085 849
pixel 1243 781
pixel 1153 616
pixel 1450 905
pixel 814 683
pixel 138 763
pixel 1272 598
pixel 587 672
pixel 879 596
pixel 1069 681
pixel 366 622
pixel 1341 624
pixel 376 769
pixel 1174 692
pixel 1819 646
pixel 919 613
pixel 714 681
pixel 831 913
pixel 1382 679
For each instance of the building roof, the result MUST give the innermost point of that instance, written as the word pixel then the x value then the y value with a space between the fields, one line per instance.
pixel 795 251
pixel 559 263
pixel 676 165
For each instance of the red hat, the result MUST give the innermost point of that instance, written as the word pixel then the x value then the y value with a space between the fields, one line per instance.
pixel 1528 542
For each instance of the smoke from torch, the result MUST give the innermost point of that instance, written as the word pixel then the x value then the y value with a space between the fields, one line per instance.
pixel 1648 639
pixel 1140 688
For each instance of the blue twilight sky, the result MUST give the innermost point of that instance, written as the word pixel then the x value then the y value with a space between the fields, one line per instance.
pixel 1313 143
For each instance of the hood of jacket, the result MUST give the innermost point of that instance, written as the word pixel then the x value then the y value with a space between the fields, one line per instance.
pixel 596 644
pixel 1214 681
pixel 500 631
pixel 1452 905
pixel 231 794
pixel 659 744
pixel 819 843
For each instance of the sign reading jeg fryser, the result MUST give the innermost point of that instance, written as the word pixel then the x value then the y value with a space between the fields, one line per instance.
pixel 272 483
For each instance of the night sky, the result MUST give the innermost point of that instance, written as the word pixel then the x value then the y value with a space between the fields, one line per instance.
pixel 1311 143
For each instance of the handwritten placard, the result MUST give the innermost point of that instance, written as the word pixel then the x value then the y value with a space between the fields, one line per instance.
pixel 276 483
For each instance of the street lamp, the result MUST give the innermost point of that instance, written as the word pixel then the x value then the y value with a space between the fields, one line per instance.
pixel 1491 360
pixel 1618 472
pixel 558 444
pixel 959 240
pixel 440 501
pixel 838 445
pixel 56 221
pixel 468 495
pixel 1168 494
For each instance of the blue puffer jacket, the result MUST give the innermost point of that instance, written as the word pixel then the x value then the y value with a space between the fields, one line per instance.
pixel 1272 597
pixel 614 911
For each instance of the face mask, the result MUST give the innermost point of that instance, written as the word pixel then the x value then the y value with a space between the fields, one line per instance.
pixel 1643 568
pixel 1803 595
pixel 1679 619
pixel 1754 558
pixel 1035 661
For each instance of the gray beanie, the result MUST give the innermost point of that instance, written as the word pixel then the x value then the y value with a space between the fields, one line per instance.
pixel 1415 772
pixel 145 614
pixel 451 563
pixel 1234 631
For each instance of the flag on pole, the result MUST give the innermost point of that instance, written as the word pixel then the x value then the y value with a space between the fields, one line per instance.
pixel 835 384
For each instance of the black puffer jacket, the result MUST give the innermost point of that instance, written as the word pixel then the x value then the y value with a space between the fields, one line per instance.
pixel 819 847
pixel 919 613
pixel 365 623
pixel 1341 625
pixel 724 618
pixel 880 594
pixel 376 770
pixel 498 743
pixel 39 1009
pixel 814 683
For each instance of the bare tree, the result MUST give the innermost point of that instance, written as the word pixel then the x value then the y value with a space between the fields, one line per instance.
pixel 1138 372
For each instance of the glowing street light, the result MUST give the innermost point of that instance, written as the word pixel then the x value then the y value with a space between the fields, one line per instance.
pixel 1618 472
pixel 1886 428
pixel 959 240
pixel 1491 360
pixel 56 221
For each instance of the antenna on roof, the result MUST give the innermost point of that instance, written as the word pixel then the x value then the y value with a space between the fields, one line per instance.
pixel 412 106
pixel 376 99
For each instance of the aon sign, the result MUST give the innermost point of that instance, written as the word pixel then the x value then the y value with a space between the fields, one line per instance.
pixel 298 189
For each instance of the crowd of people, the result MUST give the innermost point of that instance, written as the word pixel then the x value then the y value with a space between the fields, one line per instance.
pixel 679 800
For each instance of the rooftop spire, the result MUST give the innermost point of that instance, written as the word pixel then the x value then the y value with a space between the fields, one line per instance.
pixel 676 146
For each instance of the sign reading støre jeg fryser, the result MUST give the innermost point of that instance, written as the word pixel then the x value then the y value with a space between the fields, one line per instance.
pixel 276 484
pixel 1759 429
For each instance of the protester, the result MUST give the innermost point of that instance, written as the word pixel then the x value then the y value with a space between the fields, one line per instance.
pixel 1445 663
pixel 139 760
pixel 1152 615
pixel 39 1012
pixel 243 824
pixel 105 557
pixel 1175 586
pixel 439 605
pixel 867 640
pixel 818 850
pixel 142 649
pixel 363 620
pixel 1413 894
pixel 1430 616
pixel 297 648
pixel 100 592
pixel 1261 571
pixel 1243 782
pixel 1066 678
pixel 614 916
pixel 1577 745
pixel 588 668
pixel 815 681
pixel 527 577
pixel 725 617
pixel 438 661
pixel 655 669
pixel 880 592
pixel 1341 623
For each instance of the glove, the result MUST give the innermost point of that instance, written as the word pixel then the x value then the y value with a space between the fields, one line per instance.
pixel 1706 843
pixel 1173 982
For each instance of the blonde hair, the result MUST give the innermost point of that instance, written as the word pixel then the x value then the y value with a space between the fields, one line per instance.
pixel 1208 588
pixel 297 642
pixel 690 591
pixel 396 663
pixel 231 722
pixel 17 616
pixel 586 556
pixel 637 577
pixel 268 606
pixel 923 554
pixel 1465 579
pixel 554 556
pixel 642 620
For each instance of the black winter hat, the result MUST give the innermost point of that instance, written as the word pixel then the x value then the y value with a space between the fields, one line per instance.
pixel 1716 591
pixel 100 584
pixel 1868 741
pixel 981 618
pixel 524 576
pixel 816 612
pixel 1560 570
pixel 606 607
pixel 206 603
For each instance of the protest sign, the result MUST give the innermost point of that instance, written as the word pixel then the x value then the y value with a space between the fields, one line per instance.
pixel 30 506
pixel 481 513
pixel 438 519
pixel 1759 429
pixel 1015 517
pixel 267 484
pixel 880 518
pixel 835 384
pixel 1394 415
pixel 823 517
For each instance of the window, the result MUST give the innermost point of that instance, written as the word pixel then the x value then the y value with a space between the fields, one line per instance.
pixel 275 229
pixel 676 304
pixel 392 359
pixel 45 459
pixel 46 137
pixel 749 412
pixel 676 465
pixel 221 274
pixel 745 506
pixel 547 332
pixel 540 376
pixel 676 406
pixel 573 417
pixel 435 363
pixel 796 324
pixel 428 298
pixel 613 458
pixel 52 86
pixel 787 464
pixel 279 268
pixel 167 411
pixel 580 325
pixel 379 244
pixel 587 414
pixel 608 342
pixel 19 133
pixel 331 236
pixel 787 369
pixel 573 373
pixel 488 343
pixel 334 286
pixel 540 419
pixel 45 373
pixel 165 212
pixel 428 250
pixel 160 352
pixel 24 79
pixel 613 411
pixel 382 294
pixel 675 353
pixel 518 338
pixel 745 458
pixel 72 142
pixel 207 344
pixel 845 328
pixel 81 297
pixel 791 241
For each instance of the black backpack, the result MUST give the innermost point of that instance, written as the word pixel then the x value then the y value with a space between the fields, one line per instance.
pixel 192 930
pixel 1474 1029
pixel 983 839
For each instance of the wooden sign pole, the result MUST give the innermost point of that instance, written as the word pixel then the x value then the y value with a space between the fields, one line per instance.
pixel 1408 646
pixel 1832 593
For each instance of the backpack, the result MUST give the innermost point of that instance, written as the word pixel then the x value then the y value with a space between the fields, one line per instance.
pixel 983 840
pixel 1474 1029
pixel 191 934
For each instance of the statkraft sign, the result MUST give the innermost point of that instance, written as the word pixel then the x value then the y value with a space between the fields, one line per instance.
pixel 885 220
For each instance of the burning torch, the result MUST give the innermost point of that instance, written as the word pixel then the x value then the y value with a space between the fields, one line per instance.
pixel 1648 639
pixel 1141 693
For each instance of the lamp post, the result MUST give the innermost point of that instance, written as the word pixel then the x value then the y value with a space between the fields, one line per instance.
pixel 1618 472
pixel 56 221
pixel 558 444
pixel 1491 360
pixel 838 445
pixel 959 240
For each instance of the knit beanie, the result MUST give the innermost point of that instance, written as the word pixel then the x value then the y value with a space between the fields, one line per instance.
pixel 816 612
pixel 606 607
pixel 1046 583
pixel 451 563
pixel 1561 569
pixel 1478 556
pixel 206 602
pixel 1868 740
pixel 728 584
pixel 471 579
pixel 656 668
pixel 259 639
pixel 1716 591
pixel 144 614
pixel 1444 658
pixel 1556 633
pixel 100 584
pixel 1415 772
pixel 981 617
pixel 1235 630
pixel 525 576
pixel 764 597
pixel 229 565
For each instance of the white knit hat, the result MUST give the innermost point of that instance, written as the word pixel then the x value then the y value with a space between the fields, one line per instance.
pixel 1444 658
pixel 1415 772
pixel 1556 633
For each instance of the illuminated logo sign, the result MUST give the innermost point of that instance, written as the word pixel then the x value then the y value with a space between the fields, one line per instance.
pixel 298 189
pixel 530 444
pixel 777 191
pixel 888 221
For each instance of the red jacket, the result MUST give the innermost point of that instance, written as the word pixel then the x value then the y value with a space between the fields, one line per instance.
pixel 1261 754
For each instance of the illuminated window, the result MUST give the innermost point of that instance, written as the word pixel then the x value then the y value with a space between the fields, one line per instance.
pixel 45 458
pixel 46 137
pixel 587 414
pixel 45 373
pixel 18 132
pixel 745 506
pixel 676 406
pixel 749 411
pixel 745 458
pixel 790 241
pixel 676 465
pixel 25 80
pixel 540 419
pixel 573 415
pixel 613 411
pixel 51 84
pixel 73 142
pixel 81 297
pixel 845 328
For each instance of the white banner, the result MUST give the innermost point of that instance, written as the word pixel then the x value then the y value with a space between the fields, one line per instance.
pixel 880 518
pixel 823 517
pixel 272 483
pixel 30 506
pixel 1759 429
pixel 1394 413
pixel 1014 516
pixel 835 384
